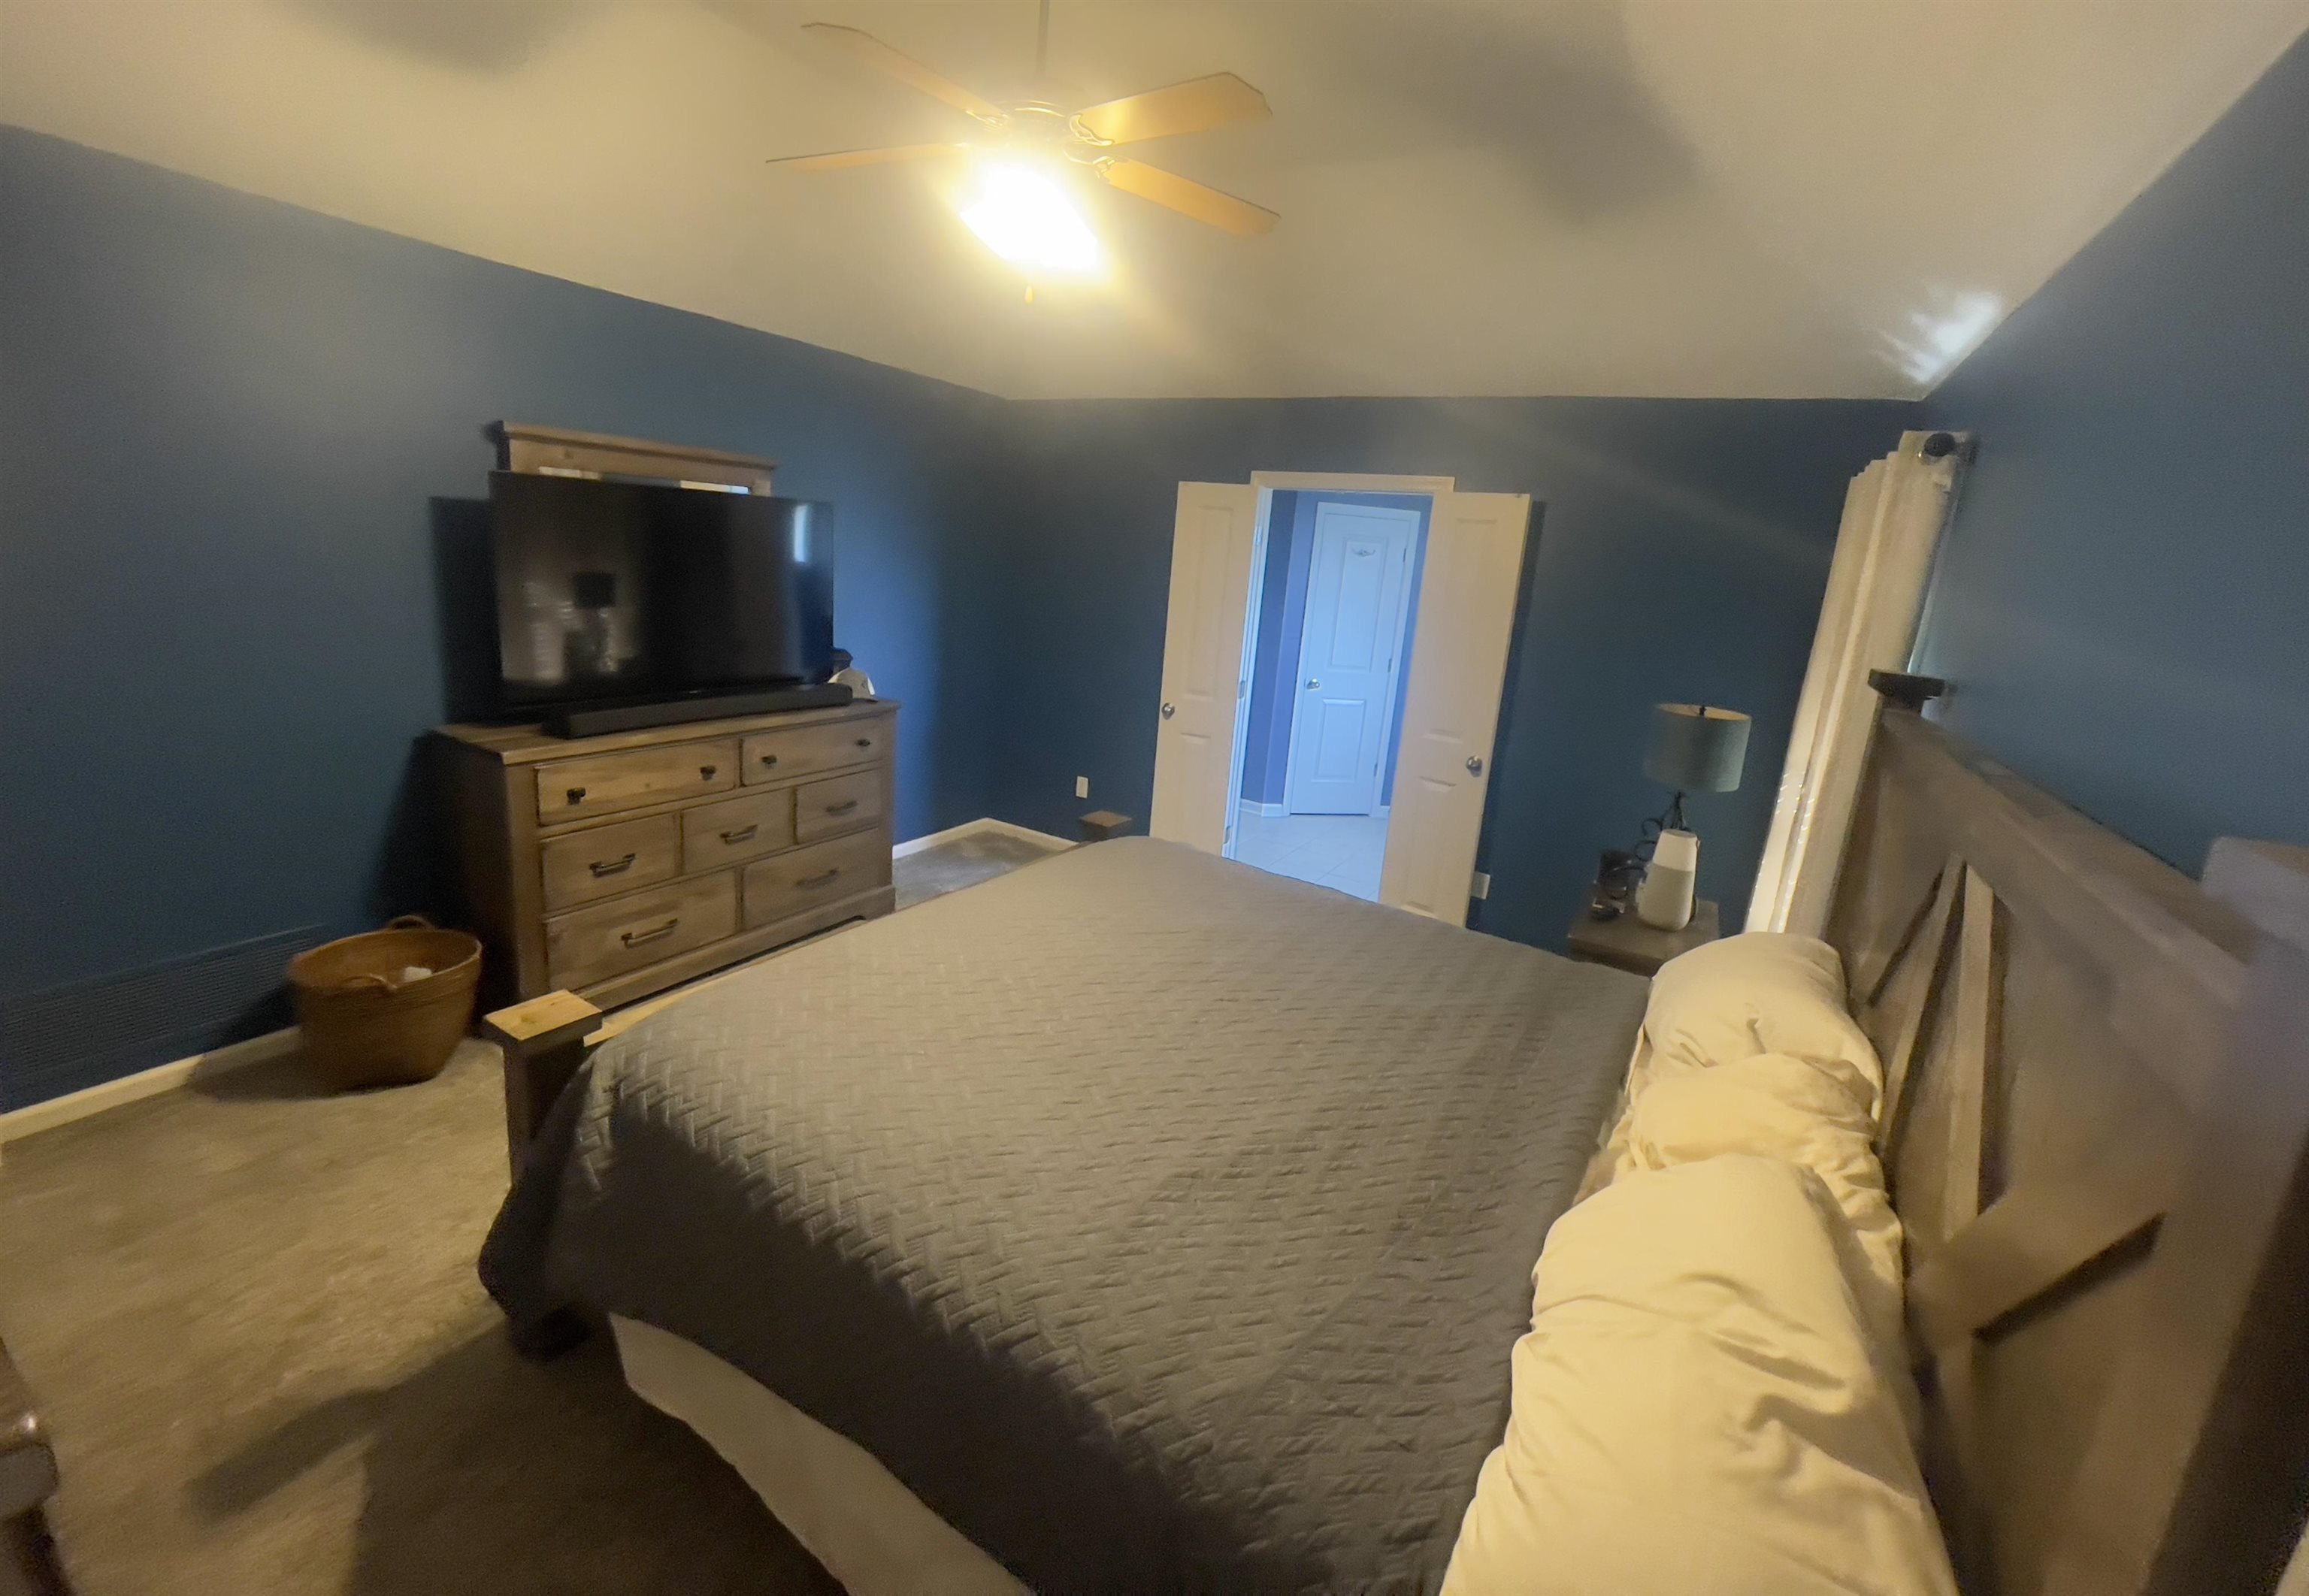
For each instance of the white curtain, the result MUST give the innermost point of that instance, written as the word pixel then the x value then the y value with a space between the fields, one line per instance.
pixel 1893 520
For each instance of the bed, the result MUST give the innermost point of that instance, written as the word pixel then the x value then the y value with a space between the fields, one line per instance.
pixel 2093 1115
pixel 2097 1119
pixel 1159 1223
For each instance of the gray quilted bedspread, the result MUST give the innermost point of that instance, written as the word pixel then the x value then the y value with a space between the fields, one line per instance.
pixel 1164 1225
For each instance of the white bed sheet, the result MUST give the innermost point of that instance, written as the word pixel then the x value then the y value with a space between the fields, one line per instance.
pixel 871 1532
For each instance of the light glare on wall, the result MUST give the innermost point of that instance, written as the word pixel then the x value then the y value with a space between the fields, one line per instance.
pixel 1025 216
pixel 1938 338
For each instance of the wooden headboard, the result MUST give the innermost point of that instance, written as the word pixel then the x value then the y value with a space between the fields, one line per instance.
pixel 2097 1110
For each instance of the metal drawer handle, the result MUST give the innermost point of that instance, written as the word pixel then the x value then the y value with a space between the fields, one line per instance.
pixel 706 771
pixel 769 759
pixel 576 795
pixel 635 938
pixel 843 808
pixel 602 867
pixel 865 742
pixel 808 883
pixel 744 833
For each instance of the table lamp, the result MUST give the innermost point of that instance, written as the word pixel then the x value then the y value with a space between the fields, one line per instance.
pixel 1694 748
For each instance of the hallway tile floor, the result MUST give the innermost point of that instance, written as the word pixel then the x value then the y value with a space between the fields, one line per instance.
pixel 1341 851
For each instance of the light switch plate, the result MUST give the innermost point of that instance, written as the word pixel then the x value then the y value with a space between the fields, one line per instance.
pixel 1481 887
pixel 1082 786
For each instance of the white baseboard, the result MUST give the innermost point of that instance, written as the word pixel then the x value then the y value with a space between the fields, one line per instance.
pixel 971 828
pixel 919 844
pixel 129 1089
pixel 1026 833
pixel 17 1123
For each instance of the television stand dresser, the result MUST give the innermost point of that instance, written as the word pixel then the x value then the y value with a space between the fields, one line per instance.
pixel 615 867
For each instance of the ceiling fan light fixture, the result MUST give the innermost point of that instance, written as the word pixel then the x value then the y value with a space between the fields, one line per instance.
pixel 1027 216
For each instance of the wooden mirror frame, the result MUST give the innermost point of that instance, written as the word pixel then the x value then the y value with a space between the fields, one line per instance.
pixel 557 451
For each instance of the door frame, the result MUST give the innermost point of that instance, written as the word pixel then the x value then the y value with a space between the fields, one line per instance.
pixel 1400 669
pixel 1352 482
pixel 1244 673
pixel 1270 483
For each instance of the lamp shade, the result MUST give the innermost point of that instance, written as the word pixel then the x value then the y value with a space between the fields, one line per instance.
pixel 1696 747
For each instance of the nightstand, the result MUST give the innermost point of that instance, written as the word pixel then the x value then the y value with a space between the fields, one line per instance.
pixel 1627 944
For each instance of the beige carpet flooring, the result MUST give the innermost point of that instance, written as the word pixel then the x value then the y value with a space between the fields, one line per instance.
pixel 251 1319
pixel 966 861
pixel 250 1315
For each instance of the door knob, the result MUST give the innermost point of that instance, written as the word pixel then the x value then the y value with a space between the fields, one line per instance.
pixel 1474 765
pixel 1313 686
pixel 1169 710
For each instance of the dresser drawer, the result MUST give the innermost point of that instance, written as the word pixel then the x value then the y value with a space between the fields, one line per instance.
pixel 821 873
pixel 573 788
pixel 843 804
pixel 805 750
pixel 609 858
pixel 735 829
pixel 591 944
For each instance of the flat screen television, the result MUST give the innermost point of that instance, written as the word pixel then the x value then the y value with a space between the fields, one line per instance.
pixel 630 592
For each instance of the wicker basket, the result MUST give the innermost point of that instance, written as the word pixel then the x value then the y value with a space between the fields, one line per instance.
pixel 364 1025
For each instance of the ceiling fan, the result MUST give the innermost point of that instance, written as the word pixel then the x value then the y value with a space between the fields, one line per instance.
pixel 1022 211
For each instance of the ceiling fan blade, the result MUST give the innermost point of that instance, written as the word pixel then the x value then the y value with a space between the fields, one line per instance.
pixel 1187 197
pixel 906 70
pixel 842 161
pixel 1191 106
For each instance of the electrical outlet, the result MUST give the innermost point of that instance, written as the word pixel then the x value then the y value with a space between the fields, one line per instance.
pixel 1481 887
pixel 1082 786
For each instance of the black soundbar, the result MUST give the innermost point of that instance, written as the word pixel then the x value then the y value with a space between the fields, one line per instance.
pixel 678 711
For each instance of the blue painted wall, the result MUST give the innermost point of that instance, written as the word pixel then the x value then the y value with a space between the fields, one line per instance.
pixel 236 436
pixel 2122 600
pixel 1265 753
pixel 1282 623
pixel 229 430
pixel 1681 553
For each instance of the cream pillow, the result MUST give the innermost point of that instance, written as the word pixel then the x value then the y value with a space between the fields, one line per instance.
pixel 1696 1410
pixel 1759 992
pixel 1778 1106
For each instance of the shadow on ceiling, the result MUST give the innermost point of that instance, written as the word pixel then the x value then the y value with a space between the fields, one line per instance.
pixel 497 37
pixel 1550 92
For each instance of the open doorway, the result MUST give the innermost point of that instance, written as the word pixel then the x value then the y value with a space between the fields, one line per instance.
pixel 1328 635
pixel 1461 599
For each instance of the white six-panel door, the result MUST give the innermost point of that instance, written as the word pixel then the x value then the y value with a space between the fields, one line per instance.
pixel 1211 556
pixel 1450 718
pixel 1358 584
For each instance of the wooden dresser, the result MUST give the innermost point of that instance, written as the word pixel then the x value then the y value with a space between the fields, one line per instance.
pixel 615 867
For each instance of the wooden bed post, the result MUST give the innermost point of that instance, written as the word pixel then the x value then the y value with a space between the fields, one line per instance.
pixel 544 1041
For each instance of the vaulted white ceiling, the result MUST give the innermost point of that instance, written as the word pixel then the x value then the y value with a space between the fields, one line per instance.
pixel 1663 197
